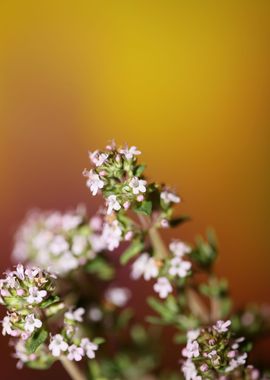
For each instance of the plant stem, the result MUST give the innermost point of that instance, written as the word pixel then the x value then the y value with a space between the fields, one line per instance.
pixel 158 244
pixel 195 303
pixel 72 369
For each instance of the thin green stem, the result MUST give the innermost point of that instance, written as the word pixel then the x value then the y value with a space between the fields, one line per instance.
pixel 72 369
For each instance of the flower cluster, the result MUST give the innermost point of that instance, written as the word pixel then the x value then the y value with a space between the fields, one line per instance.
pixel 69 342
pixel 119 177
pixel 166 270
pixel 212 352
pixel 22 292
pixel 189 297
pixel 28 295
pixel 55 240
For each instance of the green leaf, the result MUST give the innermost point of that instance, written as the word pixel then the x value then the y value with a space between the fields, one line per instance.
pixel 124 318
pixel 101 268
pixel 36 340
pixel 144 208
pixel 135 247
pixel 180 338
pixel 139 170
pixel 98 340
pixel 155 320
pixel 161 309
pixel 49 302
pixel 138 334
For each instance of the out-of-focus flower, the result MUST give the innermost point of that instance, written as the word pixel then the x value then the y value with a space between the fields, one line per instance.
pixel 163 287
pixel 145 266
pixel 179 249
pixel 75 315
pixel 179 267
pixel 169 197
pixel 57 345
pixel 89 348
pixel 56 241
pixel 118 296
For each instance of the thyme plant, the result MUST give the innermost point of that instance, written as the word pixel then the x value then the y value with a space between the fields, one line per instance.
pixel 65 302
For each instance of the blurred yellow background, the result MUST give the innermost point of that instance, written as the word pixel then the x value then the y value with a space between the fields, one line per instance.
pixel 187 82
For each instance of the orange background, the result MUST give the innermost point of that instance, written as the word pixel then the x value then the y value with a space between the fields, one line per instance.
pixel 187 82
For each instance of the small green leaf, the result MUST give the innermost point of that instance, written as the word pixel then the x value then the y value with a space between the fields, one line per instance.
pixel 36 340
pixel 144 208
pixel 101 268
pixel 124 318
pixel 139 170
pixel 155 320
pixel 135 247
pixel 161 309
pixel 98 340
pixel 49 302
pixel 138 334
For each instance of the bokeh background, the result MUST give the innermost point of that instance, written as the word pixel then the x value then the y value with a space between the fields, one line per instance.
pixel 187 82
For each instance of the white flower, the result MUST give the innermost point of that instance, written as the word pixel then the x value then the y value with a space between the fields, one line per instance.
pixel 179 248
pixel 7 327
pixel 191 350
pixel 237 362
pixel 96 223
pixel 190 371
pixel 42 239
pixel 32 272
pixel 169 197
pixel 163 287
pixel 20 272
pixel 35 295
pixel 151 269
pixel 65 263
pixel 118 296
pixel 179 267
pixel 98 158
pixel 75 353
pixel 57 345
pixel 112 204
pixel 137 185
pixel 139 265
pixel 222 326
pixel 97 242
pixel 130 152
pixel 89 348
pixel 31 323
pixel 70 222
pixel 112 235
pixel 58 245
pixel 146 266
pixel 75 315
pixel 79 244
pixel 11 280
pixel 94 182
pixel 21 354
pixel 193 335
